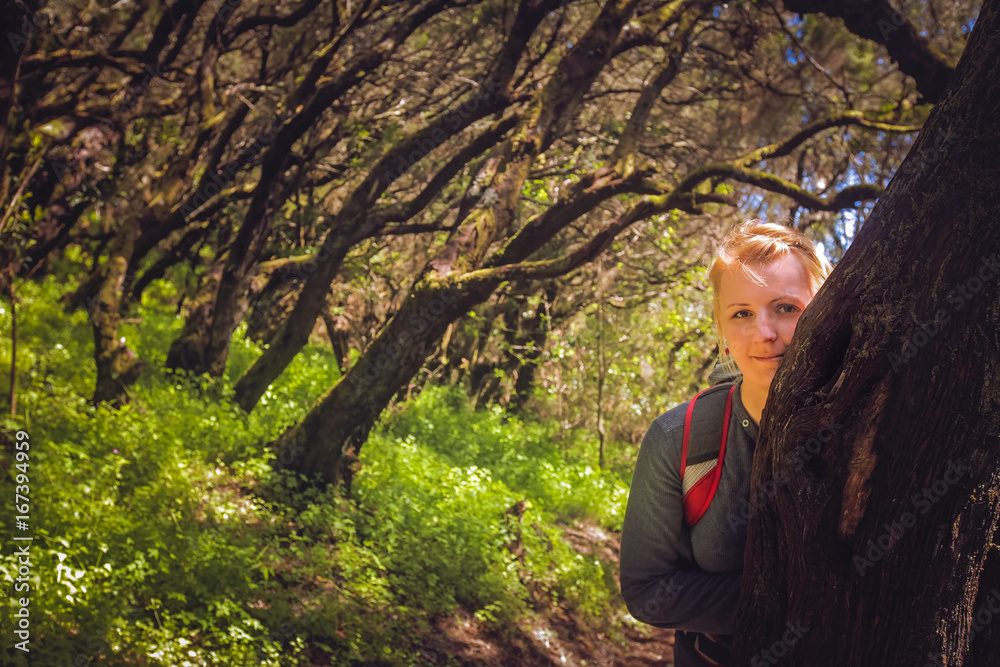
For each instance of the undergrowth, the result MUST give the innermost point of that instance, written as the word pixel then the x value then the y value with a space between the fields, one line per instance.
pixel 163 537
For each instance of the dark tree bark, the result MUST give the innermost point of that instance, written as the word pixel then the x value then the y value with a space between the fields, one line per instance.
pixel 878 462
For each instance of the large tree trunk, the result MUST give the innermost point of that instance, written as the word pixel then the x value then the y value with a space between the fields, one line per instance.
pixel 878 488
pixel 328 439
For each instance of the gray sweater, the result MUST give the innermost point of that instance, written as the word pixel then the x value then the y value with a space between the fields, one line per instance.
pixel 673 576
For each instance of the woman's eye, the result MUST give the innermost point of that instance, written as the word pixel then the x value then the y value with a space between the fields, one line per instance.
pixel 737 314
pixel 790 308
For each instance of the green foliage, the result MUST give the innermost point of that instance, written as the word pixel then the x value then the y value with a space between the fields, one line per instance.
pixel 654 356
pixel 438 488
pixel 163 537
pixel 535 460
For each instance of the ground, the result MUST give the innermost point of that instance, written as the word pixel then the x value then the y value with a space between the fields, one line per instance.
pixel 559 640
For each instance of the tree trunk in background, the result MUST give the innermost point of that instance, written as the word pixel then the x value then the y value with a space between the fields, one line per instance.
pixel 484 383
pixel 241 257
pixel 870 541
pixel 536 332
pixel 292 335
pixel 338 339
pixel 327 440
pixel 525 338
pixel 188 349
pixel 116 363
pixel 524 385
pixel 175 254
pixel 269 312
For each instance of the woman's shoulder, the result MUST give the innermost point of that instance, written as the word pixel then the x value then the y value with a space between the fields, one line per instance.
pixel 709 407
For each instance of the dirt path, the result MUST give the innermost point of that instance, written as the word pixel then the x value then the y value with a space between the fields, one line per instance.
pixel 558 638
pixel 548 645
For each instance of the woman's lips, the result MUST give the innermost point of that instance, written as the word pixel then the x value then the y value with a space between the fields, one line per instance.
pixel 777 357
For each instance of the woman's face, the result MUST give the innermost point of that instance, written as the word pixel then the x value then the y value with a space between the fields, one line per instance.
pixel 758 321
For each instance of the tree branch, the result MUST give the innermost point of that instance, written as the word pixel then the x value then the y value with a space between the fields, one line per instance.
pixel 253 22
pixel 406 210
pixel 551 268
pixel 644 29
pixel 879 22
pixel 623 156
pixel 66 58
pixel 843 119
pixel 846 198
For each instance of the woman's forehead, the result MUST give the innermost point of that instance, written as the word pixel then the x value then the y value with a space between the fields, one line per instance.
pixel 782 275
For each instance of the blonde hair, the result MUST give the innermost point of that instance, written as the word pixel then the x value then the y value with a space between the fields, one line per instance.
pixel 753 244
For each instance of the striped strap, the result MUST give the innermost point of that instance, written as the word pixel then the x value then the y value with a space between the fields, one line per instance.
pixel 702 481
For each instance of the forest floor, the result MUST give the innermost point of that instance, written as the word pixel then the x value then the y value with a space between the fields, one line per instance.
pixel 554 643
pixel 561 638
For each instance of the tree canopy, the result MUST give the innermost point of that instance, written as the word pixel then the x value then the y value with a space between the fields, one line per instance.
pixel 290 155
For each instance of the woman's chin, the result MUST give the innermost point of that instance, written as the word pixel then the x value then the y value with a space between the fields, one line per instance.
pixel 760 377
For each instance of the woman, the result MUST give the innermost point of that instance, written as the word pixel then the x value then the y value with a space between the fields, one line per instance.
pixel 681 569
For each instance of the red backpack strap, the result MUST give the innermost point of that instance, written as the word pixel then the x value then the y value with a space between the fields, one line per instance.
pixel 702 484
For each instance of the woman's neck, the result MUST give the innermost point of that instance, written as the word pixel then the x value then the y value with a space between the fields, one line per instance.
pixel 753 398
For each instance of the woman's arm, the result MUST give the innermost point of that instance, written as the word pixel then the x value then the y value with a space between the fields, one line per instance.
pixel 660 586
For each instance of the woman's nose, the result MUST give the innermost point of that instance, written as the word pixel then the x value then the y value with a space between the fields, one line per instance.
pixel 765 328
